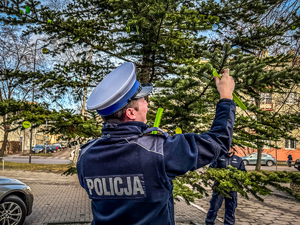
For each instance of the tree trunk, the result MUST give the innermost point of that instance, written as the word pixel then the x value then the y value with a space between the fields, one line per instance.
pixel 259 148
pixel 85 88
pixel 84 101
pixel 258 162
pixel 4 139
pixel 144 74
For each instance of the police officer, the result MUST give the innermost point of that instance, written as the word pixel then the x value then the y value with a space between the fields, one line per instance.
pixel 290 160
pixel 216 200
pixel 128 172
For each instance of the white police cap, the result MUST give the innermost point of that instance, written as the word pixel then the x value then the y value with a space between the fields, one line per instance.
pixel 116 90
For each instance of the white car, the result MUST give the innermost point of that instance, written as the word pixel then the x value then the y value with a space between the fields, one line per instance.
pixel 72 154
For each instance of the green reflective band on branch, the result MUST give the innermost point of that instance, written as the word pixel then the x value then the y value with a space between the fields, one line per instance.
pixel 21 12
pixel 27 9
pixel 49 22
pixel 136 26
pixel 157 119
pixel 128 29
pixel 235 97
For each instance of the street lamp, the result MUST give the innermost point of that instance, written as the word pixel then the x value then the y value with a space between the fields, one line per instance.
pixel 39 39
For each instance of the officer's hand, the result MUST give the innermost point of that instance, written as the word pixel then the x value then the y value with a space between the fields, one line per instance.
pixel 226 85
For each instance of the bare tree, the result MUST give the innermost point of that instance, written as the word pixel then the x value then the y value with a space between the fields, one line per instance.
pixel 16 54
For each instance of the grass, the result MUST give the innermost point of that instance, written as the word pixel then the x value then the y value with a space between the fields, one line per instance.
pixel 53 168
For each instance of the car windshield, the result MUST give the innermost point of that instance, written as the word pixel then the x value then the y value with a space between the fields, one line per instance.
pixel 38 146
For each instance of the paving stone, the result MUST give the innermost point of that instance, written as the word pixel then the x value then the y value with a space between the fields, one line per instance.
pixel 60 198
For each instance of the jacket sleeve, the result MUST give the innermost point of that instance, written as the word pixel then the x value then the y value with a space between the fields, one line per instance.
pixel 185 152
pixel 214 164
pixel 242 166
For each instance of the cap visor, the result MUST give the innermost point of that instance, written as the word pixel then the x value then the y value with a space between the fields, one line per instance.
pixel 146 90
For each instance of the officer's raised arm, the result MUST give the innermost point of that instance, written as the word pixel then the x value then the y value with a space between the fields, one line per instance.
pixel 192 151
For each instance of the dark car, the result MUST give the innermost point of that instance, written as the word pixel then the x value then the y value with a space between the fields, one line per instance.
pixel 297 164
pixel 38 149
pixel 54 148
pixel 50 149
pixel 16 201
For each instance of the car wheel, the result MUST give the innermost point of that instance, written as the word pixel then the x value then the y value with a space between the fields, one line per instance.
pixel 269 163
pixel 245 162
pixel 12 210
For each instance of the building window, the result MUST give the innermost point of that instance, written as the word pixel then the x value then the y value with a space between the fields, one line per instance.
pixel 290 144
pixel 266 98
pixel 291 98
pixel 266 101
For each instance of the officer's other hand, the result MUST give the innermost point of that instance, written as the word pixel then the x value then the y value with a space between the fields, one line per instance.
pixel 226 85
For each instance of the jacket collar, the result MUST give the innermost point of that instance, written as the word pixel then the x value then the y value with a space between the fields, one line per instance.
pixel 230 155
pixel 127 128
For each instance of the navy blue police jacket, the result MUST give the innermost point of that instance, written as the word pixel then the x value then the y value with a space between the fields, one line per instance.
pixel 229 160
pixel 128 172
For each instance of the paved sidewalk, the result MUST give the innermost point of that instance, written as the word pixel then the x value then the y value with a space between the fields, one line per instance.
pixel 59 198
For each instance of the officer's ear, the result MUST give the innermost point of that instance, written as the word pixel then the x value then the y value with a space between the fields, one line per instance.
pixel 130 114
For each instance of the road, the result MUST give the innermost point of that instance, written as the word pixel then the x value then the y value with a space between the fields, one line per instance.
pixel 62 159
pixel 37 160
pixel 273 168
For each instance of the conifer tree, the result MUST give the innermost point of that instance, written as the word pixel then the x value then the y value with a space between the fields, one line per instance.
pixel 162 38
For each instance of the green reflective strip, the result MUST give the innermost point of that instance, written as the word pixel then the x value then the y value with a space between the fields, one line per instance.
pixel 238 101
pixel 157 119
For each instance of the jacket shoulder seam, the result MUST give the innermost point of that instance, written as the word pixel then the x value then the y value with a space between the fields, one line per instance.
pixel 149 150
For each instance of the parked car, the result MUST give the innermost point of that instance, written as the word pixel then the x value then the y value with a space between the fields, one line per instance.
pixel 54 148
pixel 266 159
pixel 297 164
pixel 72 154
pixel 16 201
pixel 38 149
pixel 50 149
pixel 59 146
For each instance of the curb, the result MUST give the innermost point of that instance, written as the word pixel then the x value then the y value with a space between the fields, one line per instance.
pixel 38 157
pixel 67 222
